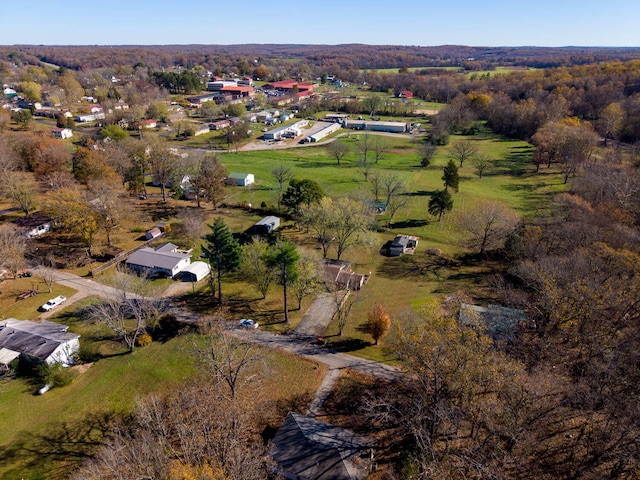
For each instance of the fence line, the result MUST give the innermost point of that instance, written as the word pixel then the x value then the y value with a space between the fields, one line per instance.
pixel 121 256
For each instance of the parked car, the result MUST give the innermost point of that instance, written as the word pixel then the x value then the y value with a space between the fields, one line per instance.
pixel 54 302
pixel 248 323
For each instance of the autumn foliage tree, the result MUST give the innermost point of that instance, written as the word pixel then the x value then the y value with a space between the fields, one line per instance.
pixel 378 323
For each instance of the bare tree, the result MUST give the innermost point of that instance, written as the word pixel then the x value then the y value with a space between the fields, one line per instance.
pixel 481 163
pixel 338 150
pixel 46 270
pixel 392 185
pixel 489 223
pixel 194 226
pixel 130 311
pixel 20 188
pixel 232 362
pixel 380 148
pixel 365 147
pixel 426 151
pixel 395 204
pixel 375 183
pixel 463 150
pixel 318 217
pixel 13 246
pixel 282 174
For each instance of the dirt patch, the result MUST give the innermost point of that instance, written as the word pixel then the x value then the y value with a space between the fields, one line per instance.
pixel 80 369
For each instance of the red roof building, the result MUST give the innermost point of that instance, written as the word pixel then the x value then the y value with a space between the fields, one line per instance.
pixel 239 91
pixel 405 94
pixel 290 85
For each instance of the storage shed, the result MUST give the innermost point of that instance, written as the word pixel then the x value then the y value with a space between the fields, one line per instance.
pixel 240 179
pixel 195 272
pixel 266 226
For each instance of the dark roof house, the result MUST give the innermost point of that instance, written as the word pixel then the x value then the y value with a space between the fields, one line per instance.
pixel 45 341
pixel 308 449
pixel 499 322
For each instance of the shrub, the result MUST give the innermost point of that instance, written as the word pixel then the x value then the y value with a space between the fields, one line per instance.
pixel 56 375
pixel 88 353
pixel 144 340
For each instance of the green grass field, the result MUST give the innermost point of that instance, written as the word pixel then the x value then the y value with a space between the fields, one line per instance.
pixel 417 280
pixel 45 436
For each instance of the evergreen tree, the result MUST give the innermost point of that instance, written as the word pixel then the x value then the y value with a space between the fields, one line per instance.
pixel 440 203
pixel 450 176
pixel 222 250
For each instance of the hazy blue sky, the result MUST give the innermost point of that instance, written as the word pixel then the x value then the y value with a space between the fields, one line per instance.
pixel 408 22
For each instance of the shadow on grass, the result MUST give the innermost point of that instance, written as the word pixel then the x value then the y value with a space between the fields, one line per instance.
pixel 63 446
pixel 348 344
pixel 412 223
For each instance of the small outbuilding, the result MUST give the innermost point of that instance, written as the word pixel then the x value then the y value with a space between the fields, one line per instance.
pixel 406 244
pixel 62 133
pixel 266 226
pixel 240 179
pixel 195 272
pixel 34 224
pixel 152 233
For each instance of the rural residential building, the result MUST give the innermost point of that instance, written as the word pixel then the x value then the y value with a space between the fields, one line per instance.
pixel 45 342
pixel 340 273
pixel 403 244
pixel 164 260
pixel 240 179
pixel 34 224
pixel 149 123
pixel 219 124
pixel 90 117
pixel 306 448
pixel 63 133
pixel 405 94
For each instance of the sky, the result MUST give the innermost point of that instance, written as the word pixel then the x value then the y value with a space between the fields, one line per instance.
pixel 545 23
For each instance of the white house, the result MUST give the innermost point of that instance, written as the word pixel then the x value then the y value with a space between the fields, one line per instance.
pixel 164 260
pixel 45 341
pixel 240 179
pixel 63 133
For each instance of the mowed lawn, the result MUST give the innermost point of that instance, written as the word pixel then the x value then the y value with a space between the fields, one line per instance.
pixel 45 436
pixel 407 282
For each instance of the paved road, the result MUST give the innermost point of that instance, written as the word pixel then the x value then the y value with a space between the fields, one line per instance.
pixel 335 360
